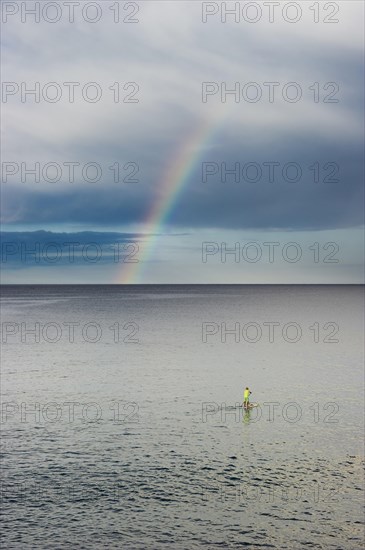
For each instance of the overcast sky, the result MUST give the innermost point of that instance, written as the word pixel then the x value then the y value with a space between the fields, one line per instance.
pixel 299 164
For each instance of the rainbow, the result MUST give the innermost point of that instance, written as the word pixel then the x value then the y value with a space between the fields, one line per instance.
pixel 173 181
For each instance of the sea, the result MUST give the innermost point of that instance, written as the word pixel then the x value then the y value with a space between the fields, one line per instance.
pixel 122 420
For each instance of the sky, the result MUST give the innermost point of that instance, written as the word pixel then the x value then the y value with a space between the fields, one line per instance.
pixel 169 142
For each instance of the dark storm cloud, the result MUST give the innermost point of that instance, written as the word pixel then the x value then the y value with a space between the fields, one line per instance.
pixel 335 201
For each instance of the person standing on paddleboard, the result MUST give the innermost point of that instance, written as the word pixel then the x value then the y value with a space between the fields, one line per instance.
pixel 246 398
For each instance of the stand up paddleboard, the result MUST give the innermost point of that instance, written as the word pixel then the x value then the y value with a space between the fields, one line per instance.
pixel 230 407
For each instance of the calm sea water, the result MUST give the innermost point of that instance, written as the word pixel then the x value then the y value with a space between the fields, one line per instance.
pixel 121 430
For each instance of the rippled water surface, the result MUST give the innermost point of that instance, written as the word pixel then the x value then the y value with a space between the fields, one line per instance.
pixel 122 427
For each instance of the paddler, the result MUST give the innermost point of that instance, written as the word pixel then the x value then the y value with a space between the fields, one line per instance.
pixel 246 398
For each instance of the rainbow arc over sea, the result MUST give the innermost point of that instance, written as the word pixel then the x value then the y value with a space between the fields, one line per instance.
pixel 170 187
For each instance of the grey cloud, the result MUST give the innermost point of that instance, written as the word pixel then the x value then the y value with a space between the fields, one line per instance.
pixel 171 52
